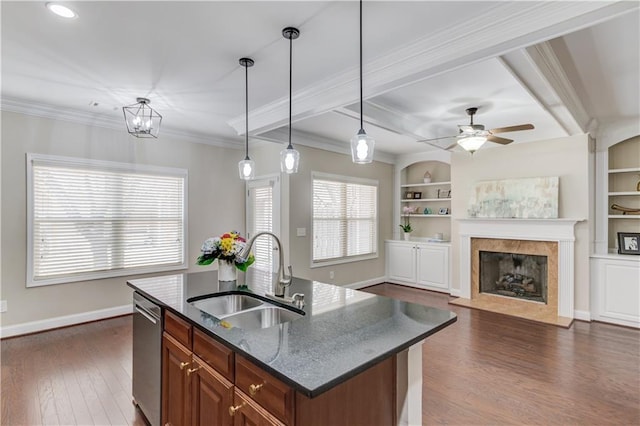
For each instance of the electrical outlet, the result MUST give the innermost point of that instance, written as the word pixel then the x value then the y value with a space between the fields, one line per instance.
pixel 332 275
pixel 3 306
pixel 301 232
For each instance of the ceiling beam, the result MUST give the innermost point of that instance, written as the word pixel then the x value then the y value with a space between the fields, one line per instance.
pixel 384 117
pixel 503 28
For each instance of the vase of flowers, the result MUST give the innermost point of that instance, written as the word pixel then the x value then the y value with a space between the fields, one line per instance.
pixel 226 248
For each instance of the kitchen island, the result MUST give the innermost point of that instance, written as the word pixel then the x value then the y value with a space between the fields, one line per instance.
pixel 304 370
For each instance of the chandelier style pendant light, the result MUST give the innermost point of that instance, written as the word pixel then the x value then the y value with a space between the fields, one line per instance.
pixel 246 167
pixel 142 121
pixel 362 145
pixel 289 157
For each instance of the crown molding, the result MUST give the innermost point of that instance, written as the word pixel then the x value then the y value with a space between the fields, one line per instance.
pixel 51 112
pixel 503 28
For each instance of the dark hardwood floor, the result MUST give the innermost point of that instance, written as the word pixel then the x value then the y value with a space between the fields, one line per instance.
pixel 491 369
pixel 486 369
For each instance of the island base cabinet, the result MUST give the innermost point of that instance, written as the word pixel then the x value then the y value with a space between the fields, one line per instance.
pixel 247 413
pixel 211 396
pixel 367 399
pixel 176 391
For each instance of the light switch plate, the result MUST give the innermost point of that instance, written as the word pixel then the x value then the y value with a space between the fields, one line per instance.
pixel 301 232
pixel 3 306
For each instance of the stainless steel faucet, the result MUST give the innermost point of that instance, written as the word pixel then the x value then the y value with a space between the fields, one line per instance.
pixel 283 281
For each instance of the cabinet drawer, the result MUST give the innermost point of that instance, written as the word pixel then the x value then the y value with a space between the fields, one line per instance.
pixel 275 396
pixel 178 328
pixel 213 353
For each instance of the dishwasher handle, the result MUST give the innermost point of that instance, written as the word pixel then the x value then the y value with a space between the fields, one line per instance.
pixel 147 314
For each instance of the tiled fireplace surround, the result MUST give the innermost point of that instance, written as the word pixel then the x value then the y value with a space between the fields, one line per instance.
pixel 553 238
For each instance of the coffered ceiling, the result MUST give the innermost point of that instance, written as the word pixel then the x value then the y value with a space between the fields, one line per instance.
pixel 565 67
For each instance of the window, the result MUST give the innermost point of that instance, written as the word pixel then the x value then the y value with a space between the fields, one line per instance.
pixel 95 219
pixel 345 219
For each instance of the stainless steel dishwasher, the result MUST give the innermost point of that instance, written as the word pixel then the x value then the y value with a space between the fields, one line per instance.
pixel 147 355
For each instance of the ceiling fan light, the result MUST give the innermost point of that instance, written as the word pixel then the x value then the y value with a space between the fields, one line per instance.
pixel 362 146
pixel 473 143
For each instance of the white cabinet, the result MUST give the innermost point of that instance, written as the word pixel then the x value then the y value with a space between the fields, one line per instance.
pixel 615 289
pixel 418 264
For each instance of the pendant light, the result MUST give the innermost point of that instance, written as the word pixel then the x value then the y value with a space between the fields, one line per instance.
pixel 142 121
pixel 362 145
pixel 289 157
pixel 246 167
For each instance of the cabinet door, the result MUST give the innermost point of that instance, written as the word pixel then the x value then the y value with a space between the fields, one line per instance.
pixel 211 396
pixel 433 266
pixel 248 413
pixel 401 262
pixel 176 359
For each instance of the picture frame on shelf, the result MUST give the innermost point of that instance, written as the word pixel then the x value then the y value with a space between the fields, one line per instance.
pixel 408 195
pixel 417 195
pixel 443 210
pixel 628 243
pixel 444 193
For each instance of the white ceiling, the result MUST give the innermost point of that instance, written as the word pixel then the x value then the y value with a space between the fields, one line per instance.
pixel 563 66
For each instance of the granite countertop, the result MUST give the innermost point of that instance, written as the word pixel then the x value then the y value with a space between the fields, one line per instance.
pixel 342 333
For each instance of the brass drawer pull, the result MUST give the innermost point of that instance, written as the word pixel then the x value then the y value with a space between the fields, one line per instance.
pixel 192 370
pixel 253 389
pixel 183 365
pixel 232 409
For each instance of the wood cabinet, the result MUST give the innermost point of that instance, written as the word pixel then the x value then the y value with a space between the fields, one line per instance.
pixel 206 383
pixel 175 382
pixel 424 265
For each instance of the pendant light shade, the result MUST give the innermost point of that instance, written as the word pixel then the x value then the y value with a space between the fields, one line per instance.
pixel 362 145
pixel 289 157
pixel 142 121
pixel 246 167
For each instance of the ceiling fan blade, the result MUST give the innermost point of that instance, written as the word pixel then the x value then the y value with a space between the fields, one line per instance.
pixel 498 139
pixel 435 139
pixel 512 128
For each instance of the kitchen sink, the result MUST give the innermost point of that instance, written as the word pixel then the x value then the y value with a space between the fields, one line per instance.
pixel 227 304
pixel 244 311
pixel 262 317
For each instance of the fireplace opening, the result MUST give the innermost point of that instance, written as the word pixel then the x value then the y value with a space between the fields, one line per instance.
pixel 523 276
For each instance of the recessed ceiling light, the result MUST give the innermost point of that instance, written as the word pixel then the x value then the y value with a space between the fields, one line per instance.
pixel 62 10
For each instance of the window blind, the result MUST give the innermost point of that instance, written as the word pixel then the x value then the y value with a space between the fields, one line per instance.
pixel 345 217
pixel 97 219
pixel 262 199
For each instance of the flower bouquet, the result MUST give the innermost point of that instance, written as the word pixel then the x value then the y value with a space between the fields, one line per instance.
pixel 226 247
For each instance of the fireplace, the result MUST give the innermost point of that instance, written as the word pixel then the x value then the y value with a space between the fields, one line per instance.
pixel 510 241
pixel 522 276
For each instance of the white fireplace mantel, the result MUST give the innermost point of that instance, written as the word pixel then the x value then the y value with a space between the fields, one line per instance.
pixel 561 231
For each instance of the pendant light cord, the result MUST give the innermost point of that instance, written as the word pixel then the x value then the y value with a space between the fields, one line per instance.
pixel 361 124
pixel 246 111
pixel 290 84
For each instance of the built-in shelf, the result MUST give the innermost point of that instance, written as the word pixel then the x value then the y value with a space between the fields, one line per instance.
pixel 428 215
pixel 627 170
pixel 617 194
pixel 624 216
pixel 413 185
pixel 417 200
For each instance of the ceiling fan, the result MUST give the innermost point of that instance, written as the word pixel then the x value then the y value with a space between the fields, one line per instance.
pixel 472 136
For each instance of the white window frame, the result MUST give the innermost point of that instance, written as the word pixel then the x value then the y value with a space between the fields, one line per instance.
pixel 349 259
pixel 32 281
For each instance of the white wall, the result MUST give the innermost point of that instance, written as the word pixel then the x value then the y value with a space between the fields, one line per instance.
pixel 299 210
pixel 567 158
pixel 216 205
